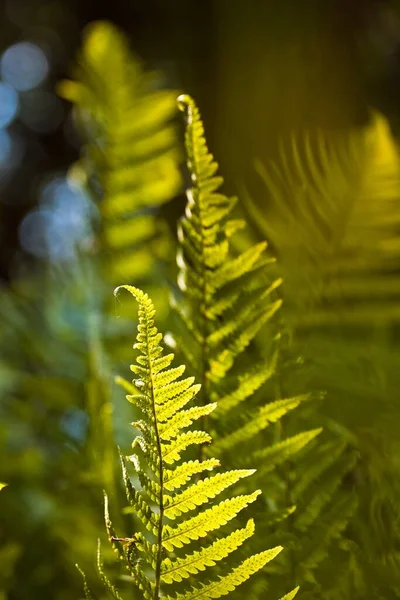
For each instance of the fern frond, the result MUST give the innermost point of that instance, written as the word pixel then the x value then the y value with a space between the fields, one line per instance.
pixel 247 384
pixel 271 456
pixel 334 210
pixel 174 480
pixel 204 255
pixel 153 559
pixel 227 300
pixel 316 484
pixel 270 413
pixel 131 159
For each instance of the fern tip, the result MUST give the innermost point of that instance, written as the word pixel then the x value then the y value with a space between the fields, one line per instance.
pixel 184 102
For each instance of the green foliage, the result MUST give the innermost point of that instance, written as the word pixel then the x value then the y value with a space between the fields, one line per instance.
pixel 331 498
pixel 130 159
pixel 226 301
pixel 229 307
pixel 58 341
pixel 55 330
pixel 161 395
pixel 332 219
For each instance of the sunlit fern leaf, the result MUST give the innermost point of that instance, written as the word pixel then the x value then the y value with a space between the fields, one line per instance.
pixel 291 594
pixel 130 158
pixel 227 299
pixel 227 584
pixel 167 502
pixel 332 217
pixel 178 569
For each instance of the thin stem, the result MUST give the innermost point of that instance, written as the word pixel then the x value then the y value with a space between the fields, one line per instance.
pixel 161 475
pixel 204 347
pixel 203 305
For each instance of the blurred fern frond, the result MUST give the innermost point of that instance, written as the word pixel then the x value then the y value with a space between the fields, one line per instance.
pixel 333 219
pixel 320 511
pixel 131 157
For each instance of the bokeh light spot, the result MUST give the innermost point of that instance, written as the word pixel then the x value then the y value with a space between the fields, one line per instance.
pixel 60 195
pixel 61 225
pixel 9 103
pixel 24 66
pixel 40 234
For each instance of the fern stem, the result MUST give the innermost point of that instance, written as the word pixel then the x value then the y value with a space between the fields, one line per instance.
pixel 204 348
pixel 190 147
pixel 203 311
pixel 161 476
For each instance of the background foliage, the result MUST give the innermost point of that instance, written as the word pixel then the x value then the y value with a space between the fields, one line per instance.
pixel 91 188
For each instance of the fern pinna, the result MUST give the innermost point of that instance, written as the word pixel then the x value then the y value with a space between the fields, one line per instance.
pixel 167 493
pixel 226 301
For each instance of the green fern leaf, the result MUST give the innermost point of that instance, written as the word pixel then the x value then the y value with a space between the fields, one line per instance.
pixel 335 209
pixel 237 576
pixel 291 594
pixel 227 299
pixel 273 455
pixel 206 521
pixel 270 413
pixel 191 564
pixel 174 480
pixel 152 562
pixel 202 492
